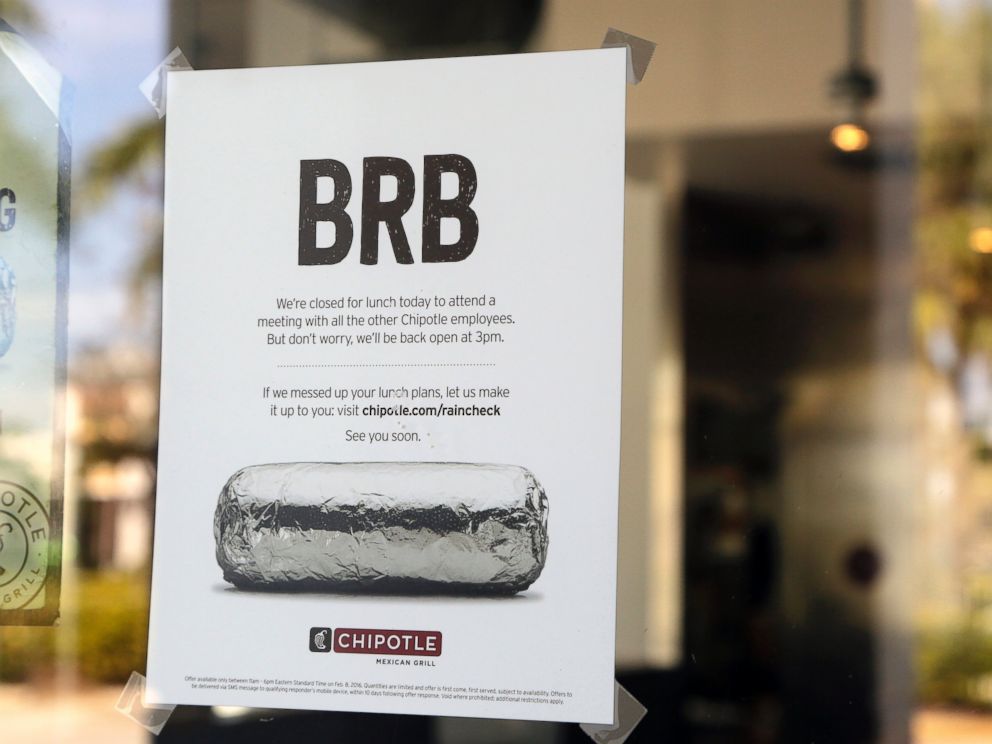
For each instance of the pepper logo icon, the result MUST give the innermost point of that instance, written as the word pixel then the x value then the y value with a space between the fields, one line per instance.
pixel 320 640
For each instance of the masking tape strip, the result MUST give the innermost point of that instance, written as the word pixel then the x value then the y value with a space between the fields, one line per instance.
pixel 627 713
pixel 639 52
pixel 155 86
pixel 131 704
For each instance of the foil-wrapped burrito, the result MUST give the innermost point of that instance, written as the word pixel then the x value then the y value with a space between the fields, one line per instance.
pixel 378 526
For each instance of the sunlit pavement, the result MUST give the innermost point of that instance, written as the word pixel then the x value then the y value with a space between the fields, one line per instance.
pixel 951 727
pixel 33 715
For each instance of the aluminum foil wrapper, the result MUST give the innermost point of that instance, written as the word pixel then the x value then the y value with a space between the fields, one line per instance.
pixel 394 527
pixel 8 308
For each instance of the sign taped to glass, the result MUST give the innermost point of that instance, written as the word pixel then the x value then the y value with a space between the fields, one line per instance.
pixel 391 400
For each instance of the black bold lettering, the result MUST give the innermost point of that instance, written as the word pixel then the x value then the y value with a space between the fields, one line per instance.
pixel 8 215
pixel 312 212
pixel 436 208
pixel 374 210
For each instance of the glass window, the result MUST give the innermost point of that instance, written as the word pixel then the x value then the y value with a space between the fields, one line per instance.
pixel 806 511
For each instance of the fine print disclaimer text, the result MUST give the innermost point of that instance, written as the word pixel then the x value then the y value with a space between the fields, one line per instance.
pixel 359 688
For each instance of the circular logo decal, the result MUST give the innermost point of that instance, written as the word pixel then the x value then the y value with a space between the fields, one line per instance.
pixel 24 530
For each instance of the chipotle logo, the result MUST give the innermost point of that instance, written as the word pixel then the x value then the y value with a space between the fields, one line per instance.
pixel 387 642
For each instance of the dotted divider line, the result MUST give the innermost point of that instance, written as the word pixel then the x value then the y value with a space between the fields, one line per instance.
pixel 284 366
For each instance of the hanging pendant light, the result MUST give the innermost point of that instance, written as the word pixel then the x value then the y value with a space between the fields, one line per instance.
pixel 854 87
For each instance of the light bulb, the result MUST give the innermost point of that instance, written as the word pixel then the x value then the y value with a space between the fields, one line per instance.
pixel 980 239
pixel 849 137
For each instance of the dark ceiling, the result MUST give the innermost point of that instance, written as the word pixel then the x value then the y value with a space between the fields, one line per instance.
pixel 438 23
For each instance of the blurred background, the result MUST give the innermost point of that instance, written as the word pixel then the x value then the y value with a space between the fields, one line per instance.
pixel 806 487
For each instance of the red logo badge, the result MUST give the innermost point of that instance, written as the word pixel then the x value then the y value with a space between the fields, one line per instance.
pixel 387 642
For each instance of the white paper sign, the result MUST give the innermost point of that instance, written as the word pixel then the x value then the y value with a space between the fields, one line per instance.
pixel 391 387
